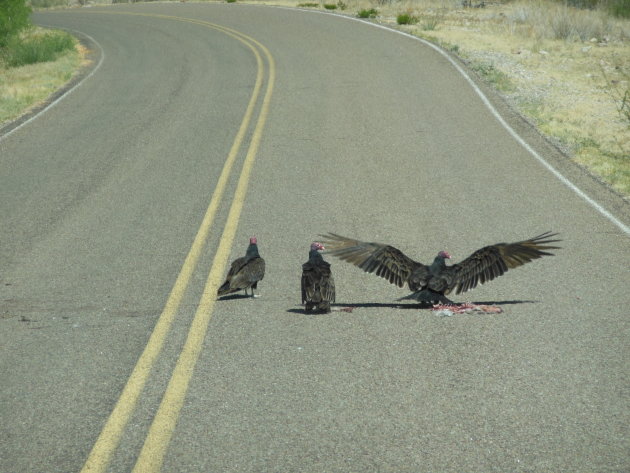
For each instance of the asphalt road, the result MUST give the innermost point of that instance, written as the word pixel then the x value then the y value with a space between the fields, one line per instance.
pixel 353 129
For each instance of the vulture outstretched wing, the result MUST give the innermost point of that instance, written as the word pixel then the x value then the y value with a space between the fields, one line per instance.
pixel 430 283
pixel 384 260
pixel 492 261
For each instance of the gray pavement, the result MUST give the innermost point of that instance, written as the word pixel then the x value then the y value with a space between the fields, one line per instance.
pixel 370 134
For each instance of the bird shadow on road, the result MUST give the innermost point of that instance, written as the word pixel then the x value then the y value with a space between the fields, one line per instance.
pixel 425 305
pixel 340 307
pixel 233 297
pixel 500 302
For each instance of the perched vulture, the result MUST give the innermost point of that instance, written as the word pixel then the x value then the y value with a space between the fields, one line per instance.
pixel 318 285
pixel 245 272
pixel 430 283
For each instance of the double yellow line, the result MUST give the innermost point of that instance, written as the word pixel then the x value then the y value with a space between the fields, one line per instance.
pixel 152 454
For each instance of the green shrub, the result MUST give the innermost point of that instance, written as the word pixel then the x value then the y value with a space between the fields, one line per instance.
pixel 14 17
pixel 330 6
pixel 619 8
pixel 40 48
pixel 406 19
pixel 371 13
pixel 308 4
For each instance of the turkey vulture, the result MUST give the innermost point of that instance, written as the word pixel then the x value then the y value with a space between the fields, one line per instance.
pixel 318 285
pixel 430 283
pixel 245 272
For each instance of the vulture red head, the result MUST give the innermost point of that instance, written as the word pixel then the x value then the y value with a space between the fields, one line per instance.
pixel 317 246
pixel 253 241
pixel 444 254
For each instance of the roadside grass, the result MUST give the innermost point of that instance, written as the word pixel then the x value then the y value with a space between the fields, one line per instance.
pixel 550 20
pixel 407 19
pixel 367 13
pixel 37 46
pixel 431 22
pixel 492 74
pixel 24 86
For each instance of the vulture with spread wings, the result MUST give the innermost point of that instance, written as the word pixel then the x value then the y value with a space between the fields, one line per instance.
pixel 245 272
pixel 431 283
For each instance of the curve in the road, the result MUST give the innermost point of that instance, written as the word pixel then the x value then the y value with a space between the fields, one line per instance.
pixel 161 429
pixel 593 203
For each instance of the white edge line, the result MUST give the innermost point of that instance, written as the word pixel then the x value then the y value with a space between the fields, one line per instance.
pixel 67 92
pixel 624 228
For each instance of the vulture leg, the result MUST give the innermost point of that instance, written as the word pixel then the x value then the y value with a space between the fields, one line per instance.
pixel 324 307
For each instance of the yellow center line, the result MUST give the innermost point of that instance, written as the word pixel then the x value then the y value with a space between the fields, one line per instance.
pixel 154 449
pixel 111 434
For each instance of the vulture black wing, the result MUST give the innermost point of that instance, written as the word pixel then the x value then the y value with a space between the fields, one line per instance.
pixel 243 274
pixel 492 261
pixel 251 273
pixel 384 260
pixel 236 266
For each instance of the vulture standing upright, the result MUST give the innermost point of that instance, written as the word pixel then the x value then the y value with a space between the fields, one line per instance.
pixel 318 286
pixel 431 283
pixel 245 272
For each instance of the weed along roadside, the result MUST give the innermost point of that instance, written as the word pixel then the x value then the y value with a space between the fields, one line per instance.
pixel 563 65
pixel 34 62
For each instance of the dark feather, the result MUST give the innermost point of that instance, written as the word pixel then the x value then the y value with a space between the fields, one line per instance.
pixel 386 261
pixel 317 283
pixel 244 273
pixel 493 261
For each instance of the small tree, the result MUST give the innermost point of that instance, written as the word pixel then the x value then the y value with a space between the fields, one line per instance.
pixel 14 17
